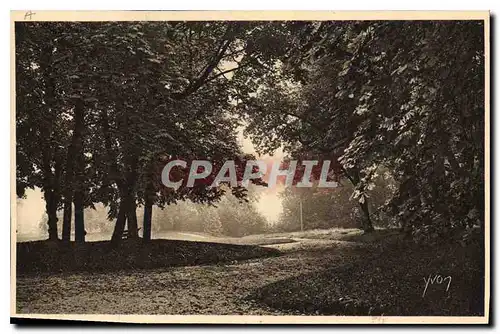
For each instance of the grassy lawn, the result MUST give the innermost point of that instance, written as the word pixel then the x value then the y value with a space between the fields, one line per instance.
pixel 389 280
pixel 56 257
pixel 341 234
pixel 320 272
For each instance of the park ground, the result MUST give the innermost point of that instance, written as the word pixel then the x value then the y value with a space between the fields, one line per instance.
pixel 320 272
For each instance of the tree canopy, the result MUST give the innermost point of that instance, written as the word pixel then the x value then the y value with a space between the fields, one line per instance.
pixel 405 95
pixel 100 107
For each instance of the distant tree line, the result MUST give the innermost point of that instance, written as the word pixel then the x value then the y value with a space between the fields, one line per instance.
pixel 335 207
pixel 228 217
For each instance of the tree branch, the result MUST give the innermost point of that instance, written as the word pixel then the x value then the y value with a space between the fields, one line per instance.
pixel 226 71
pixel 202 78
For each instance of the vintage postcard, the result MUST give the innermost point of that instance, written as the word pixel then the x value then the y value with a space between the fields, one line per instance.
pixel 250 167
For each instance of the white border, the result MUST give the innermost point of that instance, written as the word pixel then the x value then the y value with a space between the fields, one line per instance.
pixel 190 4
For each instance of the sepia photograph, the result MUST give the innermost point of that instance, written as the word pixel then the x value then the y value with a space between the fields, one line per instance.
pixel 250 167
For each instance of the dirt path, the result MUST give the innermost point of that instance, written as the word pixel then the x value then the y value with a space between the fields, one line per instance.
pixel 209 289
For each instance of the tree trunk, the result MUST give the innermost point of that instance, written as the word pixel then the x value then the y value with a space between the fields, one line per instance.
pixel 148 216
pixel 51 209
pixel 51 194
pixel 115 176
pixel 120 223
pixel 366 221
pixel 79 217
pixel 149 199
pixel 131 182
pixel 132 227
pixel 66 226
pixel 49 152
pixel 74 163
pixel 79 172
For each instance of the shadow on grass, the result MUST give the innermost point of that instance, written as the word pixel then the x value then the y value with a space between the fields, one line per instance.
pixel 389 281
pixel 50 257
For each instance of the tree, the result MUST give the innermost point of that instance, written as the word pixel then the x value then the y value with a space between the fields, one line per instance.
pixel 41 128
pixel 334 207
pixel 159 92
pixel 199 86
pixel 377 94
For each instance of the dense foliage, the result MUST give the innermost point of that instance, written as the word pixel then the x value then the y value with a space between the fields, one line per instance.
pixel 100 107
pixel 405 96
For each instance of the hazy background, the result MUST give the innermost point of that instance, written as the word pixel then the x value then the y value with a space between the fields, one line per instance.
pixel 30 215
